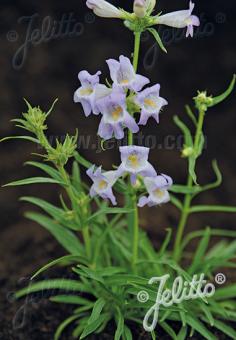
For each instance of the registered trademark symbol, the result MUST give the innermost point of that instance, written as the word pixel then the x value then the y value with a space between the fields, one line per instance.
pixel 220 18
pixel 89 18
pixel 220 278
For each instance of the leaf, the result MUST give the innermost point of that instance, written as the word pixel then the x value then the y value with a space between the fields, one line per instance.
pixel 157 38
pixel 183 189
pixel 168 330
pixel 199 327
pixel 107 211
pixel 63 259
pixel 49 170
pixel 92 327
pixel 28 138
pixel 120 326
pixel 223 96
pixel 166 242
pixel 223 327
pixel 191 115
pixel 71 299
pixel 76 179
pixel 65 218
pixel 200 146
pixel 95 319
pixel 82 160
pixel 212 208
pixel 207 312
pixel 88 273
pixel 127 333
pixel 187 134
pixel 182 334
pixel 191 168
pixel 55 212
pixel 64 236
pixel 218 181
pixel 200 252
pixel 214 232
pixel 63 284
pixel 32 180
pixel 176 202
pixel 225 293
pixel 63 325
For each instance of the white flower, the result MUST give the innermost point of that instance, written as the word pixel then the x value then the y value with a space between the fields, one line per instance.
pixel 104 9
pixel 180 19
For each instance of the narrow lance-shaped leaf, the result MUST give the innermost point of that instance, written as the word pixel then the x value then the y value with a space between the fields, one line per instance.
pixel 212 208
pixel 48 169
pixel 63 325
pixel 93 322
pixel 223 96
pixel 157 38
pixel 200 252
pixel 64 236
pixel 191 114
pixel 62 260
pixel 28 138
pixel 32 180
pixel 61 284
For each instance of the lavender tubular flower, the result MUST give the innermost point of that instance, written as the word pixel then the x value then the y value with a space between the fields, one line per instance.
pixel 151 104
pixel 123 74
pixel 157 188
pixel 104 9
pixel 135 162
pixel 102 183
pixel 86 93
pixel 180 19
pixel 115 116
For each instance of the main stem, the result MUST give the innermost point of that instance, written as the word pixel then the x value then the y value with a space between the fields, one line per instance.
pixel 130 142
pixel 137 38
pixel 85 230
pixel 188 197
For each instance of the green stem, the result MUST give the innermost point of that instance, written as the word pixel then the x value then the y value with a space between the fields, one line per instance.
pixel 85 230
pixel 87 241
pixel 135 221
pixel 137 38
pixel 188 197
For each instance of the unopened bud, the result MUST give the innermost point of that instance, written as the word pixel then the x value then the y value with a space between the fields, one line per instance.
pixel 140 8
pixel 203 101
pixel 187 151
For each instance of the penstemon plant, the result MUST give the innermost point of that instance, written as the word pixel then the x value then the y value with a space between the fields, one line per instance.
pixel 115 264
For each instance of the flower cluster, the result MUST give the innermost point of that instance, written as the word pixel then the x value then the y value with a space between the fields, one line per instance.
pixel 134 161
pixel 112 102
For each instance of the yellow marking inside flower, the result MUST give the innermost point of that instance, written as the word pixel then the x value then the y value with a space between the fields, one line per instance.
pixel 86 92
pixel 116 113
pixel 159 193
pixel 124 81
pixel 133 159
pixel 102 185
pixel 150 103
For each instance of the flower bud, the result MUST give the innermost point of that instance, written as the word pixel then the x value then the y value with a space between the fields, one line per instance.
pixel 203 101
pixel 187 151
pixel 63 151
pixel 140 8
